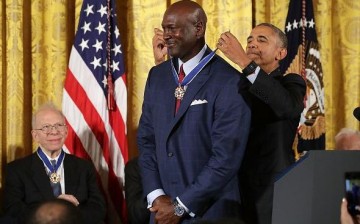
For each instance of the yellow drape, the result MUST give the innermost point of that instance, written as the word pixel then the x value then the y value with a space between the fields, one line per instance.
pixel 36 38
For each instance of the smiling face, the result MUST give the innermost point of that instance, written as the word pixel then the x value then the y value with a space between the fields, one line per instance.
pixel 265 47
pixel 184 29
pixel 52 142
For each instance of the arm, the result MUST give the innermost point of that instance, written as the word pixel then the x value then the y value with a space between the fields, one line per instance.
pixel 135 200
pixel 94 208
pixel 285 95
pixel 14 192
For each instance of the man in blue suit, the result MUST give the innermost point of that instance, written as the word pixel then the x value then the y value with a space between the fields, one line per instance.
pixel 189 157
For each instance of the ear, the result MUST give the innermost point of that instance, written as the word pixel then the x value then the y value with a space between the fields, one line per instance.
pixel 281 54
pixel 34 135
pixel 200 29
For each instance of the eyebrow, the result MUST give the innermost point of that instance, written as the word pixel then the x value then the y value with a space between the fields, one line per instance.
pixel 260 36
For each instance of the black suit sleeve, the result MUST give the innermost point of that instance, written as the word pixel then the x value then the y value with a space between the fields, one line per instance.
pixel 283 94
pixel 135 200
pixel 93 208
pixel 14 194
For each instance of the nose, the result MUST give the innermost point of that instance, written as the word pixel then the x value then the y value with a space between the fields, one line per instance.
pixel 251 45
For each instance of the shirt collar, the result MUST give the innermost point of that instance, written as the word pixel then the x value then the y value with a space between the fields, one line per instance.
pixel 191 64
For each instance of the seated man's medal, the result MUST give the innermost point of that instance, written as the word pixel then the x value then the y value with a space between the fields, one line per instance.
pixel 55 178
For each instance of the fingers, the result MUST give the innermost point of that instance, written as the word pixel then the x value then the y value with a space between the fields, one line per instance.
pixel 158 40
pixel 70 198
pixel 158 31
pixel 224 39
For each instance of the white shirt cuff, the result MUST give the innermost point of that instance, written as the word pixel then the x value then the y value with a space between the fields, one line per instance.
pixel 253 76
pixel 153 195
pixel 186 209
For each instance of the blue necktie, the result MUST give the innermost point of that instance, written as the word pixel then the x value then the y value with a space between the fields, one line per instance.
pixel 55 186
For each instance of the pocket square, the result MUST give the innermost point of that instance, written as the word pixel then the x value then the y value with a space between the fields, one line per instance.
pixel 197 102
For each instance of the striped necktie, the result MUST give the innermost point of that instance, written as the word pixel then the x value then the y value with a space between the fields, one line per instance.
pixel 181 77
pixel 55 186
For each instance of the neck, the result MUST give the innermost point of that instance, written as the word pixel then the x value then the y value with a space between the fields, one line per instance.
pixel 51 154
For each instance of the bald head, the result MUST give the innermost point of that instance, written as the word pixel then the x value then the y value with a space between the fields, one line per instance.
pixel 193 11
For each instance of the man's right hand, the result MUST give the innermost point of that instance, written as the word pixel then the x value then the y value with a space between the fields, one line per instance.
pixel 164 209
pixel 159 48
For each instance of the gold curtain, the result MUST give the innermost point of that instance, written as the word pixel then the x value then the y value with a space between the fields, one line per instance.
pixel 36 38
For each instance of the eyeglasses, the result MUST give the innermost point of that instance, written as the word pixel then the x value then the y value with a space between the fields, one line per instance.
pixel 48 128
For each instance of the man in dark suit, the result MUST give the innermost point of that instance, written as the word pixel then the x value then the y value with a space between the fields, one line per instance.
pixel 135 201
pixel 189 158
pixel 276 102
pixel 34 179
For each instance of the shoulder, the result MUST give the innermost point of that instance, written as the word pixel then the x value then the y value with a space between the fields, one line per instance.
pixel 23 162
pixel 74 160
pixel 132 165
pixel 293 77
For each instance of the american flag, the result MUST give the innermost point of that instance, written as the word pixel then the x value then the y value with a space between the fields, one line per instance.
pixel 95 101
pixel 304 58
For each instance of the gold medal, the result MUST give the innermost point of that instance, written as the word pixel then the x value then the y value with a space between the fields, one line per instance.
pixel 54 178
pixel 179 92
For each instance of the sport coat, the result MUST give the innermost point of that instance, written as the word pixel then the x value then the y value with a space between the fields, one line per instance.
pixel 276 102
pixel 195 154
pixel 27 184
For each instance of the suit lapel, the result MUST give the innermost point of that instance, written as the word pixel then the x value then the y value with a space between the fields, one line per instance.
pixel 169 94
pixel 70 175
pixel 190 94
pixel 40 177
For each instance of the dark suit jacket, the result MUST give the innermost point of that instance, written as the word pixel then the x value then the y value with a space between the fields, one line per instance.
pixel 195 154
pixel 276 102
pixel 135 202
pixel 27 185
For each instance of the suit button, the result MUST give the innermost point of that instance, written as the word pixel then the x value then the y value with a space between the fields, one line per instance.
pixel 170 154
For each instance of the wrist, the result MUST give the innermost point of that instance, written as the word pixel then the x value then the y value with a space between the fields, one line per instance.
pixel 178 209
pixel 250 68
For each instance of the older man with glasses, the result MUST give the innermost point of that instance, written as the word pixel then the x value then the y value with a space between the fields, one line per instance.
pixel 51 173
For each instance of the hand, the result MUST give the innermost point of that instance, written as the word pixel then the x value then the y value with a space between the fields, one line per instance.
pixel 232 49
pixel 345 217
pixel 164 209
pixel 70 198
pixel 159 48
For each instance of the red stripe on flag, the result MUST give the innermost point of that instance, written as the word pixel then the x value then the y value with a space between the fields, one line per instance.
pixel 77 93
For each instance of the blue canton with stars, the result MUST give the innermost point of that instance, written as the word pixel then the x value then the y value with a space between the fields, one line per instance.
pixel 92 37
pixel 293 30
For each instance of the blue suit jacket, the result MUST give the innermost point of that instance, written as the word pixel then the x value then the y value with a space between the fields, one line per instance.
pixel 195 154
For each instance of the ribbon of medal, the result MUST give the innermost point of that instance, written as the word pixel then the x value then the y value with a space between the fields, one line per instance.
pixel 54 177
pixel 180 90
